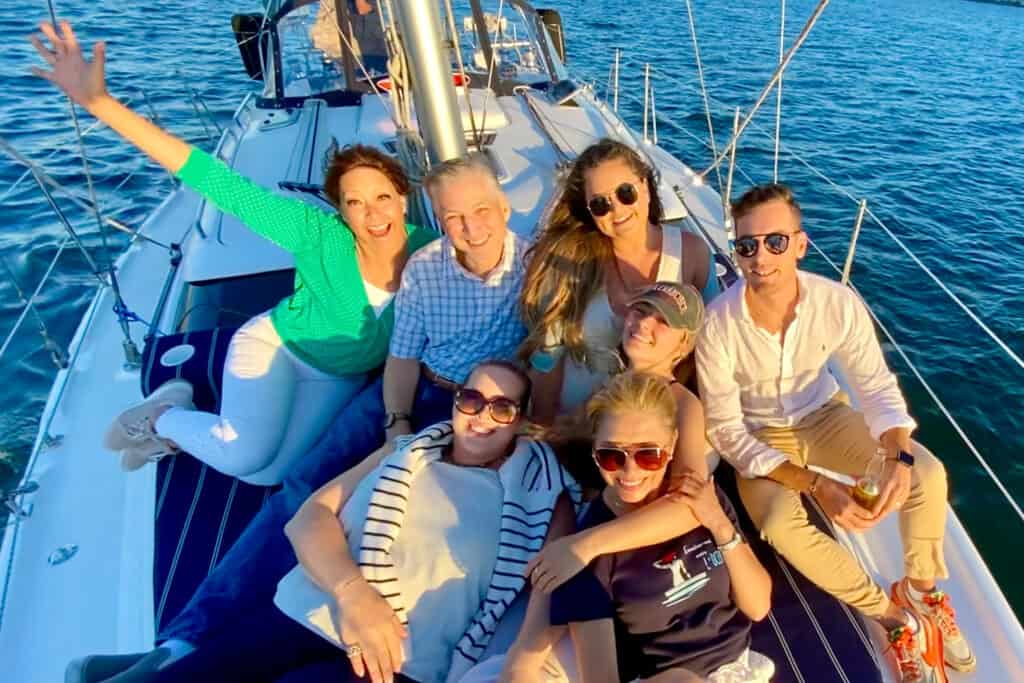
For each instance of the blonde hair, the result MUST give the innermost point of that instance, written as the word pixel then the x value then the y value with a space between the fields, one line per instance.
pixel 633 392
pixel 566 265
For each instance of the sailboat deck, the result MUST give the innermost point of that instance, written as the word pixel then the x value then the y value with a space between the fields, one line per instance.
pixel 201 512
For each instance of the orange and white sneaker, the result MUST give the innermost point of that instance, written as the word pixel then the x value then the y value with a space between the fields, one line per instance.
pixel 918 653
pixel 936 606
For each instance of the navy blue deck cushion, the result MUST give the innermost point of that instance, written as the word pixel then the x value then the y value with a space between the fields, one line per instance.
pixel 203 370
pixel 199 511
pixel 811 636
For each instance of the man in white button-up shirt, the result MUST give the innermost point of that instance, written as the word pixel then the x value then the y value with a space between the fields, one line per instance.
pixel 774 407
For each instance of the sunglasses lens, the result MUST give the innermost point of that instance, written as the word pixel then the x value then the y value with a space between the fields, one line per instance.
pixel 599 206
pixel 626 194
pixel 776 242
pixel 504 410
pixel 609 459
pixel 470 401
pixel 648 458
pixel 746 246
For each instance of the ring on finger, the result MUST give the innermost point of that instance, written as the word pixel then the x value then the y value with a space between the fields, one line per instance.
pixel 353 650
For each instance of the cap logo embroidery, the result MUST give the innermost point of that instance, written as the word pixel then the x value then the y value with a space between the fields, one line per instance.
pixel 674 294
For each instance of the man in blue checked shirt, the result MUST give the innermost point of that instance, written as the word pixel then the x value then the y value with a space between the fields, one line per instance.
pixel 458 303
pixel 457 306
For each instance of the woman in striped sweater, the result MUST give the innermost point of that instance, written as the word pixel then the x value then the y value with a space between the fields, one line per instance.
pixel 408 560
pixel 315 348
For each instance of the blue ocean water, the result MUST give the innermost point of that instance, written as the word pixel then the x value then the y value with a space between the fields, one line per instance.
pixel 915 105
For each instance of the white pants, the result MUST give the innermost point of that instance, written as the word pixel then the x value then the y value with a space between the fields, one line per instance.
pixel 273 408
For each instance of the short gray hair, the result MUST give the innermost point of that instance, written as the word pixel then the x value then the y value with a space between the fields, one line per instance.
pixel 476 162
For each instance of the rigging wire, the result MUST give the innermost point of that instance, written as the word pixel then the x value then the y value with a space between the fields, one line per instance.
pixel 456 47
pixel 492 60
pixel 703 90
pixel 768 87
pixel 28 306
pixel 789 152
pixel 131 351
pixel 778 92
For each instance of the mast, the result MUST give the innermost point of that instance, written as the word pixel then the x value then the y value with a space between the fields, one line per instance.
pixel 438 114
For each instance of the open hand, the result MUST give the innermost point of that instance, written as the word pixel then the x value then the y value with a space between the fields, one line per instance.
pixel 83 81
pixel 557 562
pixel 837 501
pixel 366 620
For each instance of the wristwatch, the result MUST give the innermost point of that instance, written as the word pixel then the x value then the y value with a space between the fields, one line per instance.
pixel 731 543
pixel 904 458
pixel 391 418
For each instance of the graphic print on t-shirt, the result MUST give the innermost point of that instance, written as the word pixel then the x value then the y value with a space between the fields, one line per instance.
pixel 684 584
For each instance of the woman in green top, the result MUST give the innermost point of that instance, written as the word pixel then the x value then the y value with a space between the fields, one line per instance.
pixel 315 348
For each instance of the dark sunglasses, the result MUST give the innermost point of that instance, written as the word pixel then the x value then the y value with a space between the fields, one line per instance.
pixel 613 458
pixel 601 205
pixel 471 402
pixel 775 242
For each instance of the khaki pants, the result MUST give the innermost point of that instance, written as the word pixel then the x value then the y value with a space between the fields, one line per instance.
pixel 836 437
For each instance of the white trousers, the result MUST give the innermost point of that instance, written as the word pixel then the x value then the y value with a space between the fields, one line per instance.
pixel 273 408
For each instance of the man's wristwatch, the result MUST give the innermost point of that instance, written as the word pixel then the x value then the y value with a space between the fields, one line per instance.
pixel 731 543
pixel 391 418
pixel 904 458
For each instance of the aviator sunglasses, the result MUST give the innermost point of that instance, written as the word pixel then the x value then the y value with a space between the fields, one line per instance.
pixel 646 457
pixel 471 402
pixel 775 242
pixel 601 205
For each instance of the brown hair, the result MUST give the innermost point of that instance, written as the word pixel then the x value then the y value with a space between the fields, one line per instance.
pixel 362 156
pixel 762 194
pixel 566 264
pixel 516 369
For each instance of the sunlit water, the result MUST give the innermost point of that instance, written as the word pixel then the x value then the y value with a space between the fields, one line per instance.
pixel 916 105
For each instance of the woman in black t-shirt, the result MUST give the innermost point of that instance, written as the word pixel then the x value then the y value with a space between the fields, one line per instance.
pixel 674 608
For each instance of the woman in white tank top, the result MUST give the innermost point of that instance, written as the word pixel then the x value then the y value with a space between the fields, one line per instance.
pixel 601 243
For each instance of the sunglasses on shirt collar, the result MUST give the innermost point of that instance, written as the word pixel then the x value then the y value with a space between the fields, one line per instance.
pixel 775 242
pixel 601 205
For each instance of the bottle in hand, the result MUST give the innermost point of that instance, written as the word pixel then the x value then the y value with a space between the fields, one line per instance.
pixel 869 484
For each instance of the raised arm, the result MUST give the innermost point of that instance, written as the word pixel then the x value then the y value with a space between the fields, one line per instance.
pixel 319 541
pixel 290 223
pixel 85 83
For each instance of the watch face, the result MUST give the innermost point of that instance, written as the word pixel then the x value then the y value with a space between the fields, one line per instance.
pixel 905 458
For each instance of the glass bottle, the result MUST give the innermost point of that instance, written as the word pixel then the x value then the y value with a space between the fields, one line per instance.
pixel 869 485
